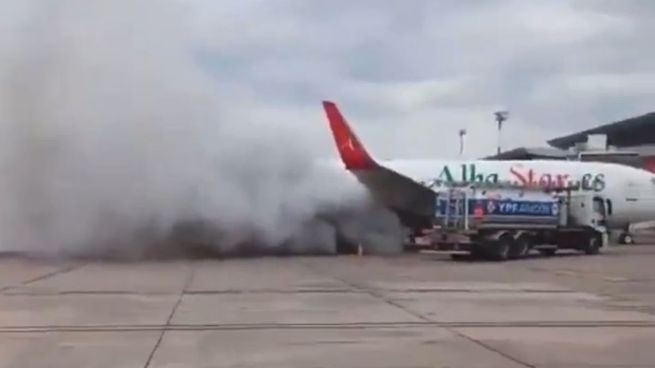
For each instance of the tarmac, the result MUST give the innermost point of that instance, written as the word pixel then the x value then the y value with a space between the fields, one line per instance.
pixel 413 310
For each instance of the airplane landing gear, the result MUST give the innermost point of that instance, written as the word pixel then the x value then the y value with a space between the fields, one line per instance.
pixel 626 238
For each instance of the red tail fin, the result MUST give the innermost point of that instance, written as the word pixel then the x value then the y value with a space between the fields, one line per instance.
pixel 352 152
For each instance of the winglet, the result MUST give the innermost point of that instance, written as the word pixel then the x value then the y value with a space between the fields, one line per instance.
pixel 352 152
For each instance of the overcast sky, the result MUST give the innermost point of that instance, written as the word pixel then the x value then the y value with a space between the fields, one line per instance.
pixel 409 74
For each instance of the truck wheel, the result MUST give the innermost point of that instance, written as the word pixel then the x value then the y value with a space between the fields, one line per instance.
pixel 593 244
pixel 477 252
pixel 520 247
pixel 501 248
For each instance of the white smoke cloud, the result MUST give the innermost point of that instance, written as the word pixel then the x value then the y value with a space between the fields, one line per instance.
pixel 110 134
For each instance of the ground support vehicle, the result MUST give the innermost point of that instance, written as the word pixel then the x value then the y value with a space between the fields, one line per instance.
pixel 505 221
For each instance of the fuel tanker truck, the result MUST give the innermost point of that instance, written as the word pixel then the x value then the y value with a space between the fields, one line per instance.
pixel 500 221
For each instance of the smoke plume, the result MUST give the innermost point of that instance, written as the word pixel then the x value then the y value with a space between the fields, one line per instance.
pixel 113 139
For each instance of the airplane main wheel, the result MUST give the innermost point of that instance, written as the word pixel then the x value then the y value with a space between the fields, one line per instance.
pixel 626 238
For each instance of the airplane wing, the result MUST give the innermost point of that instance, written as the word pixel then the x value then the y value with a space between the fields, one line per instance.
pixel 412 201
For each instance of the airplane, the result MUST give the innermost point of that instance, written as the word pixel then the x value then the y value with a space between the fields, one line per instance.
pixel 407 187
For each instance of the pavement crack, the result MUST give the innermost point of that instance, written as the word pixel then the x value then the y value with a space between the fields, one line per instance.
pixel 45 276
pixel 324 326
pixel 374 294
pixel 491 348
pixel 187 283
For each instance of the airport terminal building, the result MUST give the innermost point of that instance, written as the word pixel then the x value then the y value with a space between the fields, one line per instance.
pixel 630 141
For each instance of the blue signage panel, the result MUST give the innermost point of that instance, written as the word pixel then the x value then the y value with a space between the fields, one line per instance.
pixel 519 208
pixel 500 207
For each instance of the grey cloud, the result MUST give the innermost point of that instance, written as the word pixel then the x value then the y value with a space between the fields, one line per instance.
pixel 557 65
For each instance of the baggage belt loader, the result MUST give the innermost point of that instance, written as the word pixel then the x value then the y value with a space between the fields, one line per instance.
pixel 505 221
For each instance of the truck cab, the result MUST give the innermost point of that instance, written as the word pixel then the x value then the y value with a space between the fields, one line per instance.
pixel 588 211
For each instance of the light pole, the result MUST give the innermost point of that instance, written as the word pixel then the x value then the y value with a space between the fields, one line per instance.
pixel 462 133
pixel 500 117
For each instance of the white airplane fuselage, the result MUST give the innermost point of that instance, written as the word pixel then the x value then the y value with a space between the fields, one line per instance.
pixel 630 191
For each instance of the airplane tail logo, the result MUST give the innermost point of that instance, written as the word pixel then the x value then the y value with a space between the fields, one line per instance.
pixel 352 152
